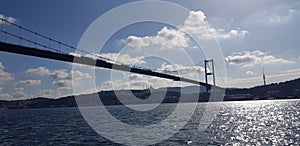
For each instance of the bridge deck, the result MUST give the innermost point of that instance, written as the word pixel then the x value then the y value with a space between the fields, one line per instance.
pixel 11 48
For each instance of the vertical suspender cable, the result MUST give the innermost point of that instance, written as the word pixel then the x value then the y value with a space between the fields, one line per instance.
pixel 20 34
pixel 59 44
pixel 49 45
pixel 35 39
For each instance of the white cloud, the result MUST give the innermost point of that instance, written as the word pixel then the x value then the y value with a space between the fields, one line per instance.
pixel 9 19
pixel 40 71
pixel 78 75
pixel 117 57
pixel 5 76
pixel 64 81
pixel 136 77
pixel 171 44
pixel 136 81
pixel 50 93
pixel 168 38
pixel 63 84
pixel 269 59
pixel 61 78
pixel 75 54
pixel 19 93
pixel 231 34
pixel 251 58
pixel 59 74
pixel 134 41
pixel 30 82
pixel 167 68
pixel 19 89
pixel 5 96
pixel 250 72
pixel 197 25
pixel 43 71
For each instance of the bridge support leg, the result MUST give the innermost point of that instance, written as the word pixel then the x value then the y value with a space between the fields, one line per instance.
pixel 207 63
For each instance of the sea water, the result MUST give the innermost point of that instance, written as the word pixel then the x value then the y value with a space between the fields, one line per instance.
pixel 270 122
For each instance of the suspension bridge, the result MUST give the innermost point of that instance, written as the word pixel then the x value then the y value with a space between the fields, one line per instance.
pixel 26 43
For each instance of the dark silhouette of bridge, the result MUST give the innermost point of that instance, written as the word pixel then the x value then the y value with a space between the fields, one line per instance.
pixel 43 50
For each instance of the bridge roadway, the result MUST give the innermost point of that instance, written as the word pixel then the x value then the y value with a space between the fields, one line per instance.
pixel 17 49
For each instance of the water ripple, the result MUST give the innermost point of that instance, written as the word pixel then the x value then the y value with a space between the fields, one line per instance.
pixel 238 123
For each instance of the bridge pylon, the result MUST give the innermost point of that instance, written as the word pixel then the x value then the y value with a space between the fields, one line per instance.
pixel 211 72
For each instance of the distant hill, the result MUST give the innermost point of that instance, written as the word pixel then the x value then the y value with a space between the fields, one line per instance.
pixel 284 90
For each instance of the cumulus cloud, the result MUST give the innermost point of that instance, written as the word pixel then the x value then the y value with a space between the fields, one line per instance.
pixel 166 38
pixel 61 78
pixel 16 94
pixel 59 74
pixel 134 41
pixel 251 58
pixel 30 82
pixel 5 76
pixel 19 93
pixel 40 71
pixel 169 38
pixel 62 81
pixel 78 75
pixel 63 84
pixel 119 58
pixel 197 25
pixel 6 18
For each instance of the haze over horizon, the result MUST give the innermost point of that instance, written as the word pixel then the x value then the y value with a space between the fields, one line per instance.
pixel 262 34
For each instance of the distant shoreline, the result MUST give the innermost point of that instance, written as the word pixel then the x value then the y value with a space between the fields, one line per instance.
pixel 232 101
pixel 277 91
pixel 28 104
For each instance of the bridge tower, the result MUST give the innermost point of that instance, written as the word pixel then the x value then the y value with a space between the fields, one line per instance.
pixel 207 63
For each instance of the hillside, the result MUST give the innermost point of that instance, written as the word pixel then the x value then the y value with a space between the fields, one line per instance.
pixel 284 90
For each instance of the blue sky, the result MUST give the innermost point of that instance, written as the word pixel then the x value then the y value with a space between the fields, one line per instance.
pixel 251 34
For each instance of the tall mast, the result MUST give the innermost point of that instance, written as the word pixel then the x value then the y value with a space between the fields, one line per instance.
pixel 264 76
